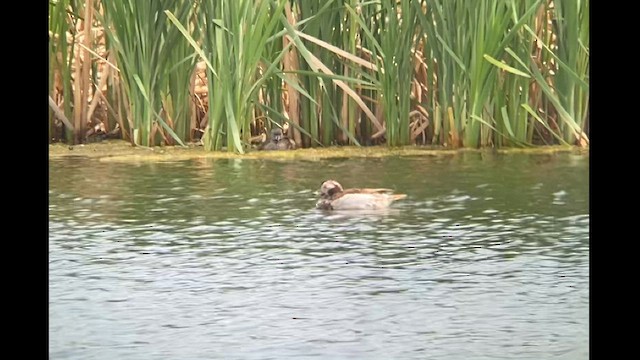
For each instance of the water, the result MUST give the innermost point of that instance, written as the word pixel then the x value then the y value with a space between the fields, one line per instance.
pixel 487 258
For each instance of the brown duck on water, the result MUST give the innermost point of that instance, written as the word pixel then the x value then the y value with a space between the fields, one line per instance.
pixel 334 197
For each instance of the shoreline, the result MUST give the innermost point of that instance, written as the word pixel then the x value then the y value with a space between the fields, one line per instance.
pixel 123 151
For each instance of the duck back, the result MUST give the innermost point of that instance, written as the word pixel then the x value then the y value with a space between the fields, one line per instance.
pixel 365 201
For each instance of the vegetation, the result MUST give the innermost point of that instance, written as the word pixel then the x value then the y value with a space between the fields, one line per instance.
pixel 485 73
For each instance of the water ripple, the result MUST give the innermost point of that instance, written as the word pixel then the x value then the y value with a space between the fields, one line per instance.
pixel 203 266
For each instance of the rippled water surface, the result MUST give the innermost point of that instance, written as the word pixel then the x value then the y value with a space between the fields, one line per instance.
pixel 487 258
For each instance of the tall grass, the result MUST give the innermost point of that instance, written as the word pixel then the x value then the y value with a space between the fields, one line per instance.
pixel 466 80
pixel 319 108
pixel 149 54
pixel 571 53
pixel 393 35
pixel 451 73
pixel 235 36
pixel 64 60
pixel 485 74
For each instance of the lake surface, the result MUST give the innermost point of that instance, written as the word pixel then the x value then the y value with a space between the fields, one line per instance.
pixel 487 258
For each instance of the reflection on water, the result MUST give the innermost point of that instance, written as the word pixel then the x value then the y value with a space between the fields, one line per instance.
pixel 486 258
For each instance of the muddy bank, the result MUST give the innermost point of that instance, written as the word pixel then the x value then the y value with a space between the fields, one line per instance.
pixel 117 150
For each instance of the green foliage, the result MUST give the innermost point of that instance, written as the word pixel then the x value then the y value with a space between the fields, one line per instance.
pixel 501 78
pixel 62 20
pixel 155 63
pixel 236 34
pixel 490 72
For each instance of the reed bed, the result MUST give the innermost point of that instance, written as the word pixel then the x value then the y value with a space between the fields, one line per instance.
pixel 471 74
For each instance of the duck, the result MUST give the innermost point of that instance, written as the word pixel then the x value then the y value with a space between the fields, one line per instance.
pixel 334 197
pixel 278 141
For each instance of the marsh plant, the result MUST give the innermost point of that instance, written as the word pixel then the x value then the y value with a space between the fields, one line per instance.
pixel 485 73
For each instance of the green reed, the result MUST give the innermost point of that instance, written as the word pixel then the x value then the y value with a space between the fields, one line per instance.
pixel 149 53
pixel 488 72
pixel 61 19
pixel 236 34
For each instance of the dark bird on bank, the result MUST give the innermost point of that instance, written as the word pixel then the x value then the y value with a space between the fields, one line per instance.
pixel 278 141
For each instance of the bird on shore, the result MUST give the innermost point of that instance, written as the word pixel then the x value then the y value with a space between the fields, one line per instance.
pixel 278 141
pixel 334 197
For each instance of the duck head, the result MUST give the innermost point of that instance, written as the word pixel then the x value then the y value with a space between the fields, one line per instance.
pixel 276 134
pixel 330 188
